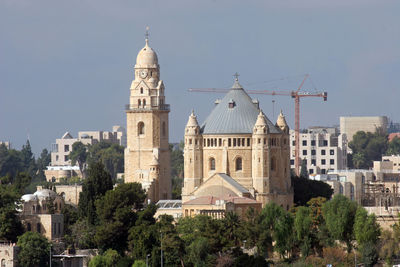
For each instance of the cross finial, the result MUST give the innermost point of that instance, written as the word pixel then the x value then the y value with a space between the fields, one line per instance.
pixel 236 75
pixel 147 33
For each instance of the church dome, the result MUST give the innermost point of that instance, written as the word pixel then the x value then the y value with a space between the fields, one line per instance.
pixel 29 197
pixel 236 113
pixel 45 193
pixel 147 57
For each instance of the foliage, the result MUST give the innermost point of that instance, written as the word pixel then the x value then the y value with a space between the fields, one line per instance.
pixel 394 147
pixel 305 189
pixel 368 147
pixel 34 249
pixel 389 246
pixel 339 215
pixel 139 263
pixel 366 228
pixel 110 258
pixel 94 187
pixel 42 162
pixel 177 167
pixel 303 226
pixel 82 233
pixel 79 155
pixel 332 255
pixel 116 216
pixel 10 226
pixel 109 154
pixel 170 242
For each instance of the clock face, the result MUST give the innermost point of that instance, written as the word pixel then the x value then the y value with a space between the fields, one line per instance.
pixel 143 74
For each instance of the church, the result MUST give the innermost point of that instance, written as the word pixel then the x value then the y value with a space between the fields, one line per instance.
pixel 235 159
pixel 236 154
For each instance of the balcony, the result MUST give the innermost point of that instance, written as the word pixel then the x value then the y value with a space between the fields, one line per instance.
pixel 163 107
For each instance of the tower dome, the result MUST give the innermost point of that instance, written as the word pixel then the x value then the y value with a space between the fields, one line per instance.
pixel 281 123
pixel 147 57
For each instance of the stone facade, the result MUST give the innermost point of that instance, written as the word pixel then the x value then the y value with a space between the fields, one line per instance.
pixel 70 193
pixel 55 173
pixel 8 255
pixel 147 156
pixel 237 153
pixel 36 215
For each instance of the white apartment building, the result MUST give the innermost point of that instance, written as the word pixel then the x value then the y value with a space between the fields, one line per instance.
pixel 323 149
pixel 62 147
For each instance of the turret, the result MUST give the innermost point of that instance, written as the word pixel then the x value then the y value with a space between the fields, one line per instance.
pixel 281 123
pixel 260 156
pixel 193 156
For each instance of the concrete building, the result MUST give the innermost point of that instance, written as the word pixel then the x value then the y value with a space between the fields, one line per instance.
pixel 147 156
pixel 323 149
pixel 54 174
pixel 237 152
pixel 8 255
pixel 41 212
pixel 351 125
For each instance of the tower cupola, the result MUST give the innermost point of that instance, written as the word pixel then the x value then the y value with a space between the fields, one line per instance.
pixel 192 126
pixel 281 123
pixel 261 126
pixel 147 57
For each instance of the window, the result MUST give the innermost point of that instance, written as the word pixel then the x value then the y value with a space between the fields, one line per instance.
pixel 273 163
pixel 66 148
pixel 164 129
pixel 293 143
pixel 144 102
pixel 332 152
pixel 66 158
pixel 28 227
pixel 312 142
pixel 56 157
pixel 292 162
pixel 313 152
pixel 234 141
pixel 220 141
pixel 304 152
pixel 141 90
pixel 323 171
pixel 229 142
pixel 3 263
pixel 332 161
pixel 239 164
pixel 304 142
pixel 313 162
pixel 325 142
pixel 212 164
pixel 248 141
pixel 38 227
pixel 323 152
pixel 139 102
pixel 310 171
pixel 323 162
pixel 140 128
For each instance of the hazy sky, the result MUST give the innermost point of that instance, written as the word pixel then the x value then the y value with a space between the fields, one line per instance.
pixel 68 65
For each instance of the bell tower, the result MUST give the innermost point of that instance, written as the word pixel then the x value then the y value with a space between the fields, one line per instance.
pixel 147 128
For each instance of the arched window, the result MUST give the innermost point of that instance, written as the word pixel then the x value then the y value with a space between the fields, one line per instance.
pixel 239 164
pixel 164 130
pixel 273 164
pixel 144 102
pixel 212 164
pixel 3 263
pixel 38 227
pixel 139 102
pixel 140 128
pixel 28 227
pixel 141 90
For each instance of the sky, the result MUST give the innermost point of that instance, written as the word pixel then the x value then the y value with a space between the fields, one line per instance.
pixel 68 65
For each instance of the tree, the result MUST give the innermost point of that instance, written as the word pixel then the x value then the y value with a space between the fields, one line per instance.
pixel 394 147
pixel 177 169
pixel 10 225
pixel 389 246
pixel 303 226
pixel 82 233
pixel 170 242
pixel 28 160
pixel 94 187
pixel 42 162
pixel 10 161
pixel 116 215
pixel 303 170
pixel 359 160
pixel 366 231
pixel 233 230
pixel 111 155
pixel 306 189
pixel 339 214
pixel 34 250
pixel 79 155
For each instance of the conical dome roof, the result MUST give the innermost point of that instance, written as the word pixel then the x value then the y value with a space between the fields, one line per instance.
pixel 261 120
pixel 147 57
pixel 192 122
pixel 281 121
pixel 154 162
pixel 236 113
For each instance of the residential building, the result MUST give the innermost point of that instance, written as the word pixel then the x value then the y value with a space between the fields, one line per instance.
pixel 322 148
pixel 147 155
pixel 351 125
pixel 236 152
pixel 6 143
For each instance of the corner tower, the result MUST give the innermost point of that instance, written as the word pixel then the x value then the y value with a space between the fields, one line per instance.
pixel 147 128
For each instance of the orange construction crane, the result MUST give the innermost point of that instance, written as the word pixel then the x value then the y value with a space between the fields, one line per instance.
pixel 294 94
